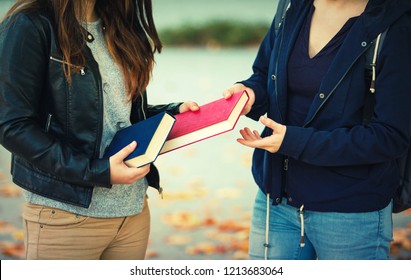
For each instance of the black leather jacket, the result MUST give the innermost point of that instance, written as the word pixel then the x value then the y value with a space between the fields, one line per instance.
pixel 54 130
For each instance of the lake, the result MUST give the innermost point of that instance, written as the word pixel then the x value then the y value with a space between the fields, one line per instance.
pixel 178 12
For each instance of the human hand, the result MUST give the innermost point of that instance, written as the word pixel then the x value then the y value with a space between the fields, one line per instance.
pixel 237 88
pixel 120 173
pixel 270 143
pixel 188 106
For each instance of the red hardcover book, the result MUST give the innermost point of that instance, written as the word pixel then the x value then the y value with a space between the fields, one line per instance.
pixel 210 120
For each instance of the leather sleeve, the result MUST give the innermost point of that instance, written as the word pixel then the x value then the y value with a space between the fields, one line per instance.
pixel 172 108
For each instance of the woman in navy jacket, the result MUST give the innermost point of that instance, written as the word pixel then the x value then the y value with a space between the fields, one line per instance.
pixel 326 179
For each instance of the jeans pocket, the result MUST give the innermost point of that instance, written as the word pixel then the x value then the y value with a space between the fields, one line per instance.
pixel 49 216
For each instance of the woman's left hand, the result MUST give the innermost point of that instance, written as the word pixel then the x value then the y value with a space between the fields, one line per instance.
pixel 188 106
pixel 270 143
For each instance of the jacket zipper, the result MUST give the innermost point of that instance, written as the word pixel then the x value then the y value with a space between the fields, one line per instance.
pixel 276 65
pixel 285 168
pixel 160 189
pixel 101 108
pixel 142 106
pixel 48 122
pixel 82 69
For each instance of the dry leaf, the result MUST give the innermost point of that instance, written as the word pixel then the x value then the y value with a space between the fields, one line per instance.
pixel 10 190
pixel 18 235
pixel 183 220
pixel 14 250
pixel 195 193
pixel 239 255
pixel 178 239
pixel 206 249
pixel 231 225
pixel 209 221
pixel 402 239
pixel 7 228
pixel 151 254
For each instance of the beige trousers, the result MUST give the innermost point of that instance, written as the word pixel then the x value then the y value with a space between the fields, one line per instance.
pixel 56 234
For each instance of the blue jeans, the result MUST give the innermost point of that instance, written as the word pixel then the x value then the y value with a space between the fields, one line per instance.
pixel 327 235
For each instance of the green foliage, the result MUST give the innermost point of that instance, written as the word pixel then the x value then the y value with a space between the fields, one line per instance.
pixel 215 34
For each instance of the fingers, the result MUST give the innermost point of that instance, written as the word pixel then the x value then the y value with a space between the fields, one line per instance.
pixel 188 106
pixel 133 174
pixel 276 127
pixel 249 135
pixel 267 122
pixel 227 93
pixel 233 89
pixel 269 143
pixel 120 173
pixel 239 88
pixel 123 153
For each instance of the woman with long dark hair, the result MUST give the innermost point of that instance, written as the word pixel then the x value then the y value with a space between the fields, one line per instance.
pixel 72 73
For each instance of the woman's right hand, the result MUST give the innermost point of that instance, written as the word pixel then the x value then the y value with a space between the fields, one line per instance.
pixel 237 88
pixel 120 173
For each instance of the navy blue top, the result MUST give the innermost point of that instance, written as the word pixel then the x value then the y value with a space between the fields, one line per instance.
pixel 305 74
pixel 335 162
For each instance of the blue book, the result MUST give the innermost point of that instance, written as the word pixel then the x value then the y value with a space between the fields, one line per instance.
pixel 150 135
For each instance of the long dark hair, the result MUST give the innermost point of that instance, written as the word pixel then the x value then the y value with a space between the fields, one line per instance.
pixel 131 35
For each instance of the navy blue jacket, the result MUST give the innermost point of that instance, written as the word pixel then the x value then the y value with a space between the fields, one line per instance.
pixel 334 162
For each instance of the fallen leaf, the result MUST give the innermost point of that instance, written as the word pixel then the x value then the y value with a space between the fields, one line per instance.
pixel 206 249
pixel 240 245
pixel 18 235
pixel 406 212
pixel 151 254
pixel 209 221
pixel 182 220
pixel 194 193
pixel 13 249
pixel 231 225
pixel 7 228
pixel 402 239
pixel 178 239
pixel 10 190
pixel 239 255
